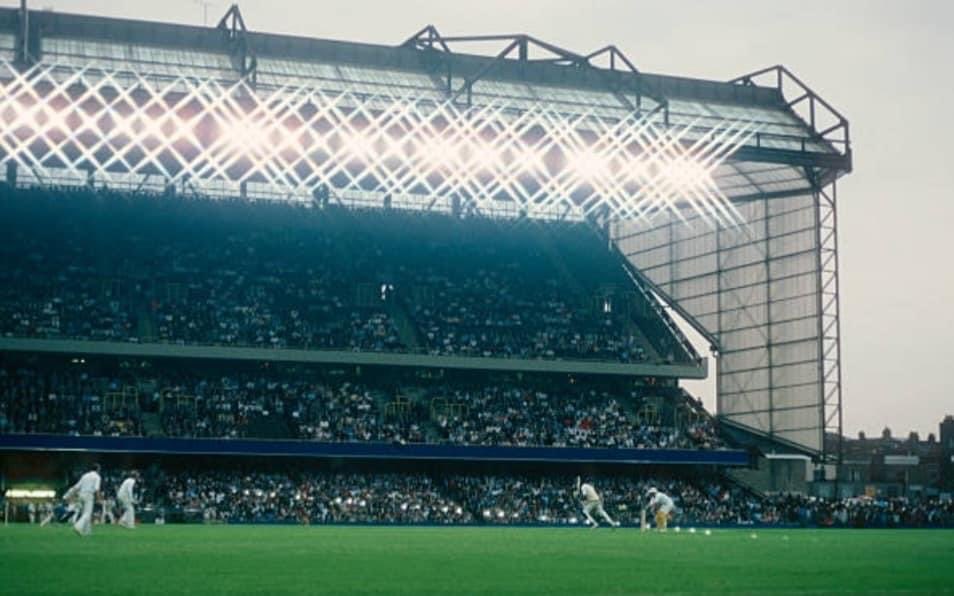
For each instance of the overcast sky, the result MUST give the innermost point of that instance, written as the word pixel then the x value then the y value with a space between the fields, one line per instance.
pixel 885 65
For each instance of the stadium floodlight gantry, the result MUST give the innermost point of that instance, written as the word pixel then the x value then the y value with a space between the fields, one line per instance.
pixel 721 194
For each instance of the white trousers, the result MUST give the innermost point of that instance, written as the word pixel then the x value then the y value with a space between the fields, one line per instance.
pixel 128 519
pixel 84 525
pixel 108 516
pixel 591 507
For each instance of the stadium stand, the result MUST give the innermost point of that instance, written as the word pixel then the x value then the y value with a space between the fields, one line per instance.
pixel 299 402
pixel 164 269
pixel 199 271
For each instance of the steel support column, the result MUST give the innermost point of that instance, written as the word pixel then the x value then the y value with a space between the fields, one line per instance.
pixel 829 323
pixel 719 323
pixel 768 316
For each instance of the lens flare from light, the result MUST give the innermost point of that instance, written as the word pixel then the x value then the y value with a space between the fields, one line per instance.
pixel 536 159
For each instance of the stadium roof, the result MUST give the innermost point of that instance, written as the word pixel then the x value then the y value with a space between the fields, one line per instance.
pixel 588 127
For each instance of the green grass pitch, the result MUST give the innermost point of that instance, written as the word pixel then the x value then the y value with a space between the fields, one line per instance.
pixel 395 560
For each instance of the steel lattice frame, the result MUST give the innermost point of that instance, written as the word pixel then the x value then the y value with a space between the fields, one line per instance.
pixel 759 291
pixel 765 295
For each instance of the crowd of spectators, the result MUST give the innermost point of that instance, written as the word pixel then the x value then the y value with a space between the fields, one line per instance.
pixel 513 415
pixel 181 271
pixel 313 404
pixel 300 496
pixel 852 512
pixel 251 405
pixel 512 316
pixel 311 498
pixel 230 496
pixel 65 402
pixel 106 266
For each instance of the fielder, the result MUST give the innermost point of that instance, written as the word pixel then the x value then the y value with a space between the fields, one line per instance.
pixel 663 505
pixel 49 513
pixel 128 501
pixel 593 503
pixel 108 516
pixel 87 488
pixel 72 504
pixel 61 512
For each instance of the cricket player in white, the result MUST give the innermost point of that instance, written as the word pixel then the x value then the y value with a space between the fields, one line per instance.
pixel 108 514
pixel 50 514
pixel 663 505
pixel 593 503
pixel 125 497
pixel 71 498
pixel 88 489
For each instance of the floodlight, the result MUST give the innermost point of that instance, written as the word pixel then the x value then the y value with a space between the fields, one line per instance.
pixel 535 157
pixel 21 493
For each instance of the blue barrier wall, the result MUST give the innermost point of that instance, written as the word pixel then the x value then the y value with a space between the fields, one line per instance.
pixel 368 450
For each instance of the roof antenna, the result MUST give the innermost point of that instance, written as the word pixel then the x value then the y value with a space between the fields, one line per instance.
pixel 205 4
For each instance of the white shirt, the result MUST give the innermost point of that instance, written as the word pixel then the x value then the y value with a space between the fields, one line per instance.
pixel 589 493
pixel 88 483
pixel 125 492
pixel 662 502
